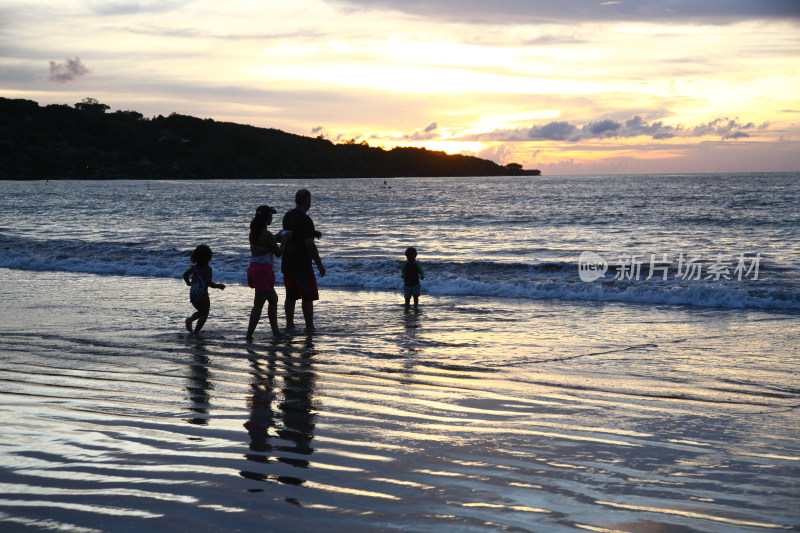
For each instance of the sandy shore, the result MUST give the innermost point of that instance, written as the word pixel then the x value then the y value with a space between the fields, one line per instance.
pixel 469 415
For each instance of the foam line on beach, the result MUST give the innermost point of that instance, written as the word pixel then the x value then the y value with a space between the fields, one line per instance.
pixel 777 287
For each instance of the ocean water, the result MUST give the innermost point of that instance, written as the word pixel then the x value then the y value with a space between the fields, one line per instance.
pixel 502 237
pixel 602 353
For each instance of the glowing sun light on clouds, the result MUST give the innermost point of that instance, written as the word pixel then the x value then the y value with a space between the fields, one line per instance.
pixel 522 81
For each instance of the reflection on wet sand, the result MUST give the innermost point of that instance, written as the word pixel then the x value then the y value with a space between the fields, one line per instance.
pixel 279 417
pixel 197 387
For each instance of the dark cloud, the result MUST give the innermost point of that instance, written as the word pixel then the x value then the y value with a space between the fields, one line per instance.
pixel 724 128
pixel 656 130
pixel 567 11
pixel 604 128
pixel 554 131
pixel 737 135
pixel 69 71
pixel 426 134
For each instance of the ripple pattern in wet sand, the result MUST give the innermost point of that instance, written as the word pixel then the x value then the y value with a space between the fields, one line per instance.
pixel 180 433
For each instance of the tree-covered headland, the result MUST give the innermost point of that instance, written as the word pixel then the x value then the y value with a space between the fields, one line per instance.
pixel 87 141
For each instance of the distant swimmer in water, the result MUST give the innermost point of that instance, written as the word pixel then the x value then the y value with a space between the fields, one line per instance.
pixel 261 272
pixel 199 276
pixel 412 273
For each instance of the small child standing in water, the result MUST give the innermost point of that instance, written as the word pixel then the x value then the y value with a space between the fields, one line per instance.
pixel 200 281
pixel 412 273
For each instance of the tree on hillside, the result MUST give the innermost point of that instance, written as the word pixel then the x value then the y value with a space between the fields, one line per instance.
pixel 91 105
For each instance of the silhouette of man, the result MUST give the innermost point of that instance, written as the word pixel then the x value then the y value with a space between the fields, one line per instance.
pixel 296 263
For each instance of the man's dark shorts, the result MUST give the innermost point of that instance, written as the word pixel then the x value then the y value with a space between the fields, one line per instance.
pixel 301 285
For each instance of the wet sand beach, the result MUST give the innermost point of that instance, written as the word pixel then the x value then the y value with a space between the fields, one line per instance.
pixel 470 414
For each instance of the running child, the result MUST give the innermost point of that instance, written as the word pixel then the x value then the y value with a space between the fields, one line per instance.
pixel 412 273
pixel 199 276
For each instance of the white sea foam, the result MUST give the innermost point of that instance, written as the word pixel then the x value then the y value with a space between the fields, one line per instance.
pixel 557 280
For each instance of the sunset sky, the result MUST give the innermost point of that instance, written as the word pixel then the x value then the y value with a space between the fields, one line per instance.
pixel 567 86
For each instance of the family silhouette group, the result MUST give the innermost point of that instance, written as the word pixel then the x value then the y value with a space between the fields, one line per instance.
pixel 295 245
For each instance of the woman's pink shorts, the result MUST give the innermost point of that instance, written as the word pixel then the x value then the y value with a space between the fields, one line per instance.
pixel 261 277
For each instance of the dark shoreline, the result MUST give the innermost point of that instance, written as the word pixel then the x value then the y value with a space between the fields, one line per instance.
pixel 87 142
pixel 266 178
